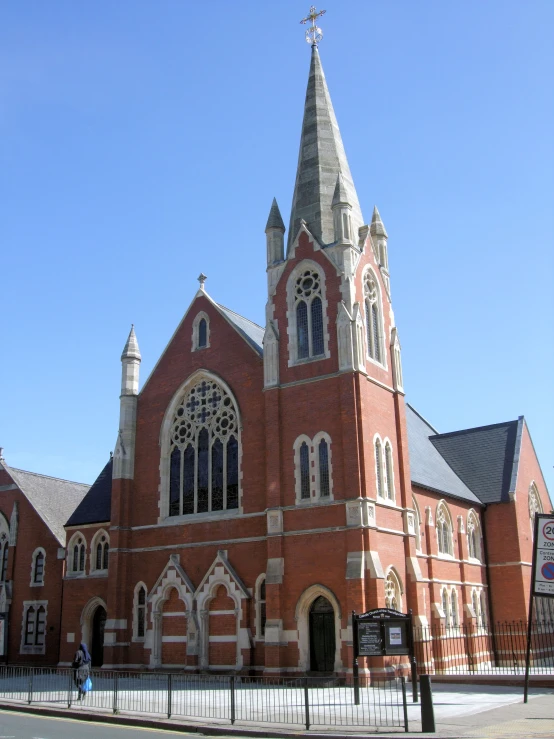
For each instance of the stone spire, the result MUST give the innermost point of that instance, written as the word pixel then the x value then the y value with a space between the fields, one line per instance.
pixel 274 233
pixel 320 160
pixel 131 349
pixel 377 227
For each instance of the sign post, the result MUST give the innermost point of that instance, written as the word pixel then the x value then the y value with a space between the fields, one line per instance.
pixel 380 633
pixel 542 576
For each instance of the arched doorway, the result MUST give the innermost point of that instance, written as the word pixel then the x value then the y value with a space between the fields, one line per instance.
pixel 97 637
pixel 322 636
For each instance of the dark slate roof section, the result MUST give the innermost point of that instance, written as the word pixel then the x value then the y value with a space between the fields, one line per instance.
pixel 53 499
pixel 96 506
pixel 253 333
pixel 427 467
pixel 483 457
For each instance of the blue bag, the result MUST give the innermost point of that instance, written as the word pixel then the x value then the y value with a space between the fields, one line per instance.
pixel 87 685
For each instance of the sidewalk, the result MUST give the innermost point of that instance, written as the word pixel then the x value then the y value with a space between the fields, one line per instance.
pixel 494 712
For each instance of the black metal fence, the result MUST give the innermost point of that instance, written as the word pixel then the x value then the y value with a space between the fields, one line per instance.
pixel 281 701
pixel 498 649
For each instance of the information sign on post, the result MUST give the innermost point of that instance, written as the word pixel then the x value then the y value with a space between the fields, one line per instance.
pixel 542 577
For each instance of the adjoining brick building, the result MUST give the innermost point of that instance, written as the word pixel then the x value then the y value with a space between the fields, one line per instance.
pixel 267 482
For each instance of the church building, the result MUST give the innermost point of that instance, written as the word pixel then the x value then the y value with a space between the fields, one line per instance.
pixel 268 481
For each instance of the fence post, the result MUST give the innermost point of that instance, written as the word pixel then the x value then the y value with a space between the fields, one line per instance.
pixel 307 703
pixel 405 702
pixel 69 688
pixel 169 695
pixel 427 710
pixel 115 682
pixel 232 688
pixel 30 697
pixel 413 668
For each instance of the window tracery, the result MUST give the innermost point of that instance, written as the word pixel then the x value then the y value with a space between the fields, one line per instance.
pixel 307 319
pixel 372 308
pixel 100 551
pixel 76 552
pixel 204 451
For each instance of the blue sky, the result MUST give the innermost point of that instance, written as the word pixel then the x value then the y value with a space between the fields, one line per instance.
pixel 142 142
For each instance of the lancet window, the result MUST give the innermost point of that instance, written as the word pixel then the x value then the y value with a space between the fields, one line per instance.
pixel 100 551
pixel 313 467
pixel 473 536
pixel 393 591
pixel 373 323
pixel 204 451
pixel 77 554
pixel 201 331
pixel 444 530
pixel 37 567
pixel 139 620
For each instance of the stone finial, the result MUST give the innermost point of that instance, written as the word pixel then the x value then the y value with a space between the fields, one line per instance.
pixel 275 220
pixel 377 227
pixel 131 349
pixel 202 279
pixel 340 196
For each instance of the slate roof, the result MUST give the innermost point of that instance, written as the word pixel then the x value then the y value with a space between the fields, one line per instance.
pixel 96 506
pixel 53 499
pixel 253 333
pixel 428 468
pixel 483 458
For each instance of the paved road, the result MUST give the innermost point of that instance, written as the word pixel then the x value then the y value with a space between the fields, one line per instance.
pixel 24 726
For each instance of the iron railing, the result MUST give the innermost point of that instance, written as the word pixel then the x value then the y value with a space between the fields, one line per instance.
pixel 498 649
pixel 301 701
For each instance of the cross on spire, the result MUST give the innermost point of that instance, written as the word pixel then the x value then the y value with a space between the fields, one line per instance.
pixel 314 34
pixel 202 279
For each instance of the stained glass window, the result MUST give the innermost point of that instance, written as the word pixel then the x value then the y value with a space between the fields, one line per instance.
pixel 302 330
pixel 317 327
pixel 204 457
pixel 324 487
pixel 202 333
pixel 309 315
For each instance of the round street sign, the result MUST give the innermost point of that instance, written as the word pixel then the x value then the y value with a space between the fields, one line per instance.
pixel 547 571
pixel 548 530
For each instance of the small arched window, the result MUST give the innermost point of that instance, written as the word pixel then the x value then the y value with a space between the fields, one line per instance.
pixel 417 525
pixel 454 608
pixel 262 611
pixel 101 553
pixel 473 536
pixel 372 309
pixel 306 311
pixel 304 471
pixel 389 480
pixel 139 620
pixel 378 468
pixel 446 607
pixel 4 554
pixel 200 331
pixel 30 619
pixel 323 453
pixel 444 530
pixel 313 470
pixel 37 567
pixel 77 554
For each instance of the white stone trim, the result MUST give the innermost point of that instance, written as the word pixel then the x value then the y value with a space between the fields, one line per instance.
pixel 195 331
pixel 302 616
pixel 292 332
pixel 33 584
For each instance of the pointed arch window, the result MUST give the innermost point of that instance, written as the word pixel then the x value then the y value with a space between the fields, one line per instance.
pixel 378 468
pixel 389 480
pixel 76 554
pixel 37 567
pixel 4 554
pixel 139 615
pixel 200 331
pixel 373 319
pixel 473 536
pixel 313 468
pixel 261 612
pixel 444 530
pixel 307 320
pixel 204 451
pixel 100 552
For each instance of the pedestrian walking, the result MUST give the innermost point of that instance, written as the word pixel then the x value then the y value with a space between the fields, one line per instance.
pixel 81 667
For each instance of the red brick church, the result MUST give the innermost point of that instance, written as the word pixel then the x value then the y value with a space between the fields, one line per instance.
pixel 266 482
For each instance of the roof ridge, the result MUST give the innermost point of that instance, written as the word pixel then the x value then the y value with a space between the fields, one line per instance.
pixel 422 418
pixel 50 477
pixel 240 316
pixel 476 428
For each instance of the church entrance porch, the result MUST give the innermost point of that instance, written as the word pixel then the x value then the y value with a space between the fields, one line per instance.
pixel 322 636
pixel 97 637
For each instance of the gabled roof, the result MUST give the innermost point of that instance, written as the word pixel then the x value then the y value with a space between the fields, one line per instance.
pixel 253 333
pixel 428 468
pixel 96 506
pixel 53 499
pixel 483 457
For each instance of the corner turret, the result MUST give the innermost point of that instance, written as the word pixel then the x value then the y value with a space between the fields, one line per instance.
pixel 275 232
pixel 124 455
pixel 342 210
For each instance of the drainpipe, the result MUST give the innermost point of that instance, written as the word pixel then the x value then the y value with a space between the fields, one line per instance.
pixel 487 577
